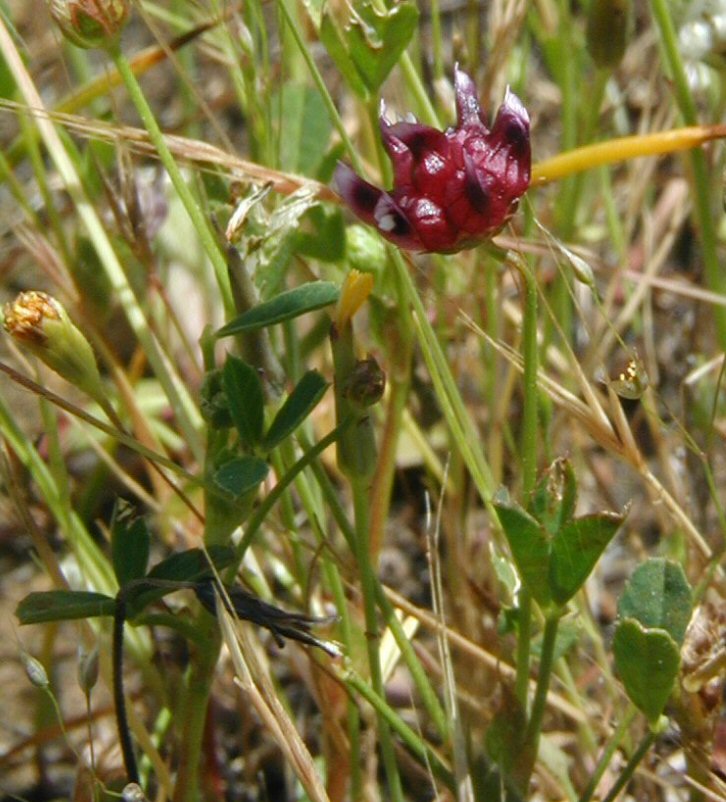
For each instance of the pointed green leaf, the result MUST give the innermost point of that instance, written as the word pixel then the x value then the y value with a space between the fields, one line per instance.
pixel 659 596
pixel 63 605
pixel 298 405
pixel 192 564
pixel 245 399
pixel 337 48
pixel 241 475
pixel 289 304
pixel 575 550
pixel 377 38
pixel 183 566
pixel 530 549
pixel 647 661
pixel 130 542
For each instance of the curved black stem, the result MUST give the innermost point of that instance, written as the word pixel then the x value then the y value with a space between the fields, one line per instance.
pixel 124 734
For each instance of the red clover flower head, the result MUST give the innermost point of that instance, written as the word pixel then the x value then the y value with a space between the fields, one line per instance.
pixel 451 189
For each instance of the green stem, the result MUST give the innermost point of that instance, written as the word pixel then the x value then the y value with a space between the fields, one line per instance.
pixel 412 739
pixel 608 753
pixel 629 770
pixel 361 506
pixel 418 674
pixel 199 220
pixel 530 359
pixel 260 514
pixel 703 196
pixel 196 701
pixel 322 88
pixel 457 417
pixel 124 734
pixel 534 725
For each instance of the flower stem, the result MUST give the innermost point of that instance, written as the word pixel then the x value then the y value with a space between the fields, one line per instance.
pixel 196 701
pixel 124 734
pixel 530 359
pixel 361 506
pixel 629 770
pixel 608 753
pixel 703 206
pixel 199 221
pixel 525 767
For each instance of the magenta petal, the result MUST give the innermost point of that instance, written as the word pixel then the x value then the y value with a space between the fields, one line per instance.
pixel 399 153
pixel 358 194
pixel 467 100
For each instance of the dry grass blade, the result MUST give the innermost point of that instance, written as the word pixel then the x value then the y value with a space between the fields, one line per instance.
pixel 253 679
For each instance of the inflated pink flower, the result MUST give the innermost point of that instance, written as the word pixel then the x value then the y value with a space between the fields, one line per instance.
pixel 451 189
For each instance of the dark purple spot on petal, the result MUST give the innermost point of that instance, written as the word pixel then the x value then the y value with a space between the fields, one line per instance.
pixel 357 193
pixel 476 189
pixel 418 138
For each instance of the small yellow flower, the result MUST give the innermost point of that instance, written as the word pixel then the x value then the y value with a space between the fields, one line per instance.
pixel 41 325
pixel 356 289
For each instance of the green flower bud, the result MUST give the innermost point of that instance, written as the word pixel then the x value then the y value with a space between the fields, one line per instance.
pixel 133 793
pixel 87 669
pixel 40 324
pixel 214 404
pixel 34 670
pixel 364 249
pixel 90 23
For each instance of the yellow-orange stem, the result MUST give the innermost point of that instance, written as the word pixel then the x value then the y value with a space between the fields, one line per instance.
pixel 627 147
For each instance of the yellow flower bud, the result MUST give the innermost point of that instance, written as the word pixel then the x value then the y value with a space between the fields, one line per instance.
pixel 356 288
pixel 90 23
pixel 41 325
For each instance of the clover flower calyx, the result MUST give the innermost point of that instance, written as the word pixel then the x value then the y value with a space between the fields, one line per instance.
pixel 452 189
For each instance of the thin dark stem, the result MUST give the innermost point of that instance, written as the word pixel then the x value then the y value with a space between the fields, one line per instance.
pixel 629 770
pixel 124 734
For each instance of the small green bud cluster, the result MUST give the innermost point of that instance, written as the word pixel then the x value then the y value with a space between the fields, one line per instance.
pixel 41 325
pixel 90 23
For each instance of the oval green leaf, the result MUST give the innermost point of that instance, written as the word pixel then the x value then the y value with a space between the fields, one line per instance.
pixel 289 304
pixel 659 596
pixel 63 605
pixel 241 475
pixel 647 661
pixel 298 405
pixel 245 399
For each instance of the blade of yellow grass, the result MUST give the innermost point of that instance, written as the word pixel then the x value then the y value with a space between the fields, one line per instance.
pixel 622 149
pixel 254 680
